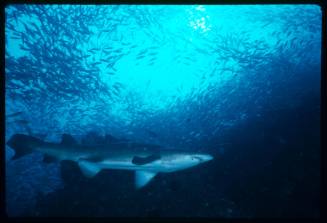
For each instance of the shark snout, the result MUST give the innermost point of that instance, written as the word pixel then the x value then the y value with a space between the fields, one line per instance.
pixel 203 157
pixel 207 157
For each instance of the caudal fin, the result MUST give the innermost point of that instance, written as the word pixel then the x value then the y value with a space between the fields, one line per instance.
pixel 23 144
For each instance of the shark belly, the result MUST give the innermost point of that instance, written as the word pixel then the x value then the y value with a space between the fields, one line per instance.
pixel 123 165
pixel 143 173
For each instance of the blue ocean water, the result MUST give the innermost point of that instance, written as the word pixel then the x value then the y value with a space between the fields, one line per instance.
pixel 239 82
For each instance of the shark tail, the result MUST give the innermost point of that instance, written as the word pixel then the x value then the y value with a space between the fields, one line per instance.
pixel 23 144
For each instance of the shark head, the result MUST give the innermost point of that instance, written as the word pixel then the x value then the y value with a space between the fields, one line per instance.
pixel 167 161
pixel 180 161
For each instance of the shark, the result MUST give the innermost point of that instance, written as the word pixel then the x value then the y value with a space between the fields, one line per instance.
pixel 147 160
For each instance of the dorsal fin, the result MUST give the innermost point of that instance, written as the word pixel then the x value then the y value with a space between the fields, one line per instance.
pixel 137 160
pixel 68 140
pixel 92 138
pixel 110 139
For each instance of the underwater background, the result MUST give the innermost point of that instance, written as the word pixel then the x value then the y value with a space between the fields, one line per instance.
pixel 239 82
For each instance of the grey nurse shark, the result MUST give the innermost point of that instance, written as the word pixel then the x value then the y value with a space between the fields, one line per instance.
pixel 145 159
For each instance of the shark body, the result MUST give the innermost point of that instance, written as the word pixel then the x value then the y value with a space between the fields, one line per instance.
pixel 145 159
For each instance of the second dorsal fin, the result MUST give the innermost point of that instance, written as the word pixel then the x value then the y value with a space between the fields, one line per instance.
pixel 68 140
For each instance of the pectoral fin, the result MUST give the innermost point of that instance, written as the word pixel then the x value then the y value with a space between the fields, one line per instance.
pixel 142 178
pixel 89 169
